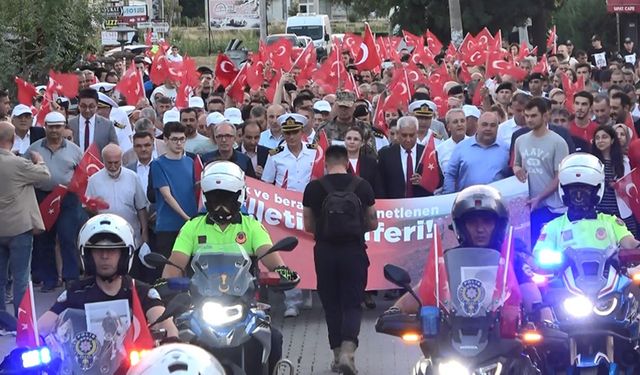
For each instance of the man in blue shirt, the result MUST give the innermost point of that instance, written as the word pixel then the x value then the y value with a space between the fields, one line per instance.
pixel 478 160
pixel 173 180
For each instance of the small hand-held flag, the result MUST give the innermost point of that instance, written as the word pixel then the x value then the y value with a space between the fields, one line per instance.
pixel 27 328
pixel 430 177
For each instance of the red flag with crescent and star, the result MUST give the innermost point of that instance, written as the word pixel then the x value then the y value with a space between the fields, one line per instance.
pixel 138 336
pixel 27 328
pixel 26 92
pixel 317 170
pixel 627 189
pixel 368 58
pixel 50 206
pixel 430 177
pixel 130 85
pixel 226 71
pixel 434 287
pixel 89 165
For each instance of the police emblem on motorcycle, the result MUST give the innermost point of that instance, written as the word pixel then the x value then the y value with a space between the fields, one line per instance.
pixel 85 345
pixel 241 238
pixel 471 293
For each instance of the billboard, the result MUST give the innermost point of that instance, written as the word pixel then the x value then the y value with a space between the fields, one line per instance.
pixel 623 6
pixel 234 14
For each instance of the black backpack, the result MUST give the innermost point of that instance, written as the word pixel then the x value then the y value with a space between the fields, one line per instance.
pixel 342 217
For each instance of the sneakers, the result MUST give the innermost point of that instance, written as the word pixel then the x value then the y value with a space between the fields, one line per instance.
pixel 335 364
pixel 347 364
pixel 291 312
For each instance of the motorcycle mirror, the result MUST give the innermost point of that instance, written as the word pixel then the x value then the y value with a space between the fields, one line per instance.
pixel 397 275
pixel 174 307
pixel 155 259
pixel 285 244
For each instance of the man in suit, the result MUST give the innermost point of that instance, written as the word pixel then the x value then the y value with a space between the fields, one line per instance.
pixel 89 127
pixel 26 134
pixel 398 175
pixel 250 147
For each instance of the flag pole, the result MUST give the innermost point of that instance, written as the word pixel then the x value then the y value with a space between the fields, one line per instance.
pixel 33 314
pixel 506 264
pixel 435 255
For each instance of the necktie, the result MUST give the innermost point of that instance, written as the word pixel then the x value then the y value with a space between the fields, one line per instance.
pixel 408 189
pixel 86 135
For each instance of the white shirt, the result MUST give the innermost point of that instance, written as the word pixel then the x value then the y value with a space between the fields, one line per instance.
pixel 269 140
pixel 253 155
pixel 175 58
pixel 426 138
pixel 124 195
pixel 92 130
pixel 296 168
pixel 506 130
pixel 21 144
pixel 123 129
pixel 444 150
pixel 403 157
pixel 196 142
pixel 142 171
pixel 382 142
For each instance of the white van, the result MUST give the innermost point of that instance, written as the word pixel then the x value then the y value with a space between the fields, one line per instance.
pixel 316 27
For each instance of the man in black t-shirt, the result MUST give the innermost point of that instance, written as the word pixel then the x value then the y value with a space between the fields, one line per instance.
pixel 341 262
pixel 106 245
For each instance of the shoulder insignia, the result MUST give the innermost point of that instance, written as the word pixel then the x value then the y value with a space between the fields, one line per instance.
pixel 118 125
pixel 377 133
pixel 620 222
pixel 312 146
pixel 276 150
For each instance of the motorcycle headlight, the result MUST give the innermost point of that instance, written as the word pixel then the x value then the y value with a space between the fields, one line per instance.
pixel 548 258
pixel 606 307
pixel 578 306
pixel 452 367
pixel 216 314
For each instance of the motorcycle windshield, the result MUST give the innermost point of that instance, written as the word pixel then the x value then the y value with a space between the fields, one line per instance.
pixel 92 345
pixel 222 270
pixel 471 273
pixel 587 268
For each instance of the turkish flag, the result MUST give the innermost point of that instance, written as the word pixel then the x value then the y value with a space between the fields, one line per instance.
pixel 570 89
pixel 399 92
pixel 475 54
pixel 306 63
pixel 89 165
pixel 130 85
pixel 65 84
pixel 159 69
pixel 138 336
pixel 378 117
pixel 368 58
pixel 236 88
pixel 27 328
pixel 413 40
pixel 279 53
pixel 542 66
pixel 255 72
pixel 507 293
pixel 424 56
pixel 26 91
pixel 433 43
pixel 434 286
pixel 484 37
pixel 226 71
pixel 430 177
pixel 552 43
pixel 183 94
pixel 50 206
pixel 317 170
pixel 352 42
pixel 332 72
pixel 452 53
pixel 627 189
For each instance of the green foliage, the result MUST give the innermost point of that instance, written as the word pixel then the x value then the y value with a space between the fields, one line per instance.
pixel 192 8
pixel 39 35
pixel 293 8
pixel 579 20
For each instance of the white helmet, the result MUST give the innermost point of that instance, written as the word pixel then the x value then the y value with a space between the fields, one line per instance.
pixel 223 175
pixel 177 359
pixel 118 233
pixel 581 168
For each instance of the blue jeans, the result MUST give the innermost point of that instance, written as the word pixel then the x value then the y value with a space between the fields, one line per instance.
pixel 66 229
pixel 15 252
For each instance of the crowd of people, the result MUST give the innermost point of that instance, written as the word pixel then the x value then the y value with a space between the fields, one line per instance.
pixel 523 127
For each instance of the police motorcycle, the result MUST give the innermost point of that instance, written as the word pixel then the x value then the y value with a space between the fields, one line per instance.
pixel 470 334
pixel 592 299
pixel 216 308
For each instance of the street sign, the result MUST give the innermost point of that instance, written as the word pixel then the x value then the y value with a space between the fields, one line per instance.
pixel 133 11
pixel 145 25
pixel 161 27
pixel 623 6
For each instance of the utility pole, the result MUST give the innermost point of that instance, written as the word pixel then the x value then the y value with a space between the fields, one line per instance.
pixel 263 19
pixel 455 18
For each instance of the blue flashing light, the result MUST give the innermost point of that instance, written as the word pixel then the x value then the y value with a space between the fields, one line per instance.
pixel 36 357
pixel 548 257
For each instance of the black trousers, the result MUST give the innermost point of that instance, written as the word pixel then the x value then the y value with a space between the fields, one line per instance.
pixel 341 282
pixel 163 244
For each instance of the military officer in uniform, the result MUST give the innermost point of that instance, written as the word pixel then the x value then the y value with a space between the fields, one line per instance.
pixel 336 128
pixel 289 167
pixel 427 126
pixel 108 108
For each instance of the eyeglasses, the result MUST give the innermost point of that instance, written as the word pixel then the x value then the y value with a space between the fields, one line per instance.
pixel 178 140
pixel 223 136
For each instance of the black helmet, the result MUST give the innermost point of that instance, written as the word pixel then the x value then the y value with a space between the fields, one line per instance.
pixel 476 199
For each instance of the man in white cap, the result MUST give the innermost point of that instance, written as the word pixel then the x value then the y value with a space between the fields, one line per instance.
pixel 322 109
pixel 472 113
pixel 421 110
pixel 213 119
pixel 62 158
pixel 289 166
pixel 26 134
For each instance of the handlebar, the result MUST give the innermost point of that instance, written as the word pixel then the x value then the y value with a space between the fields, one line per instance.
pixel 274 281
pixel 398 324
pixel 629 256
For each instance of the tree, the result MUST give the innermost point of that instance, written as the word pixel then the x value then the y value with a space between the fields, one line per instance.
pixel 40 35
pixel 193 8
pixel 579 20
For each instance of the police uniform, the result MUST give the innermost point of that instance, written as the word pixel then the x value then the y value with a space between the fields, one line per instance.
pixel 380 138
pixel 87 291
pixel 283 167
pixel 422 109
pixel 560 233
pixel 120 121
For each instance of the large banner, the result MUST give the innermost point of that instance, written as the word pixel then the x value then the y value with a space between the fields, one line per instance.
pixel 403 236
pixel 234 14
